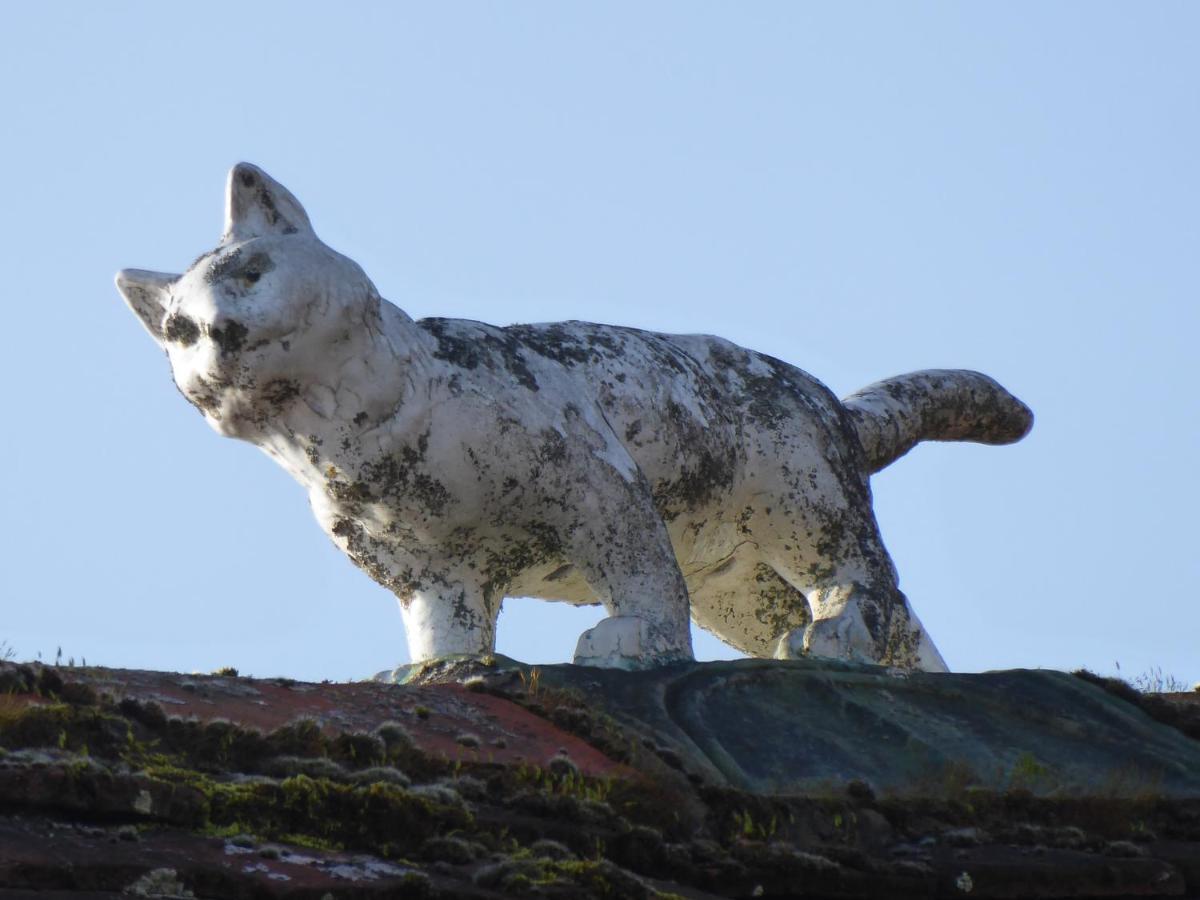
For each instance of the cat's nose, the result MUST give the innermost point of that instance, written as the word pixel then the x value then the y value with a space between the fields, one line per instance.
pixel 228 334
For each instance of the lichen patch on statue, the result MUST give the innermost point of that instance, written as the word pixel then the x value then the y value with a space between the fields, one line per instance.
pixel 458 463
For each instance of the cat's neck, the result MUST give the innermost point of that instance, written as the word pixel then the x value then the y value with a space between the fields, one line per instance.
pixel 345 412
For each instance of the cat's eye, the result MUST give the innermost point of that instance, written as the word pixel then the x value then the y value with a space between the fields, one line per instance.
pixel 252 270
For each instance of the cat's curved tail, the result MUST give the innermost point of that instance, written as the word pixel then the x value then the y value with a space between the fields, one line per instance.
pixel 892 416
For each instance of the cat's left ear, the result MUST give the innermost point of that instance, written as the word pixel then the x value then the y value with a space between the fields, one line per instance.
pixel 257 205
pixel 147 294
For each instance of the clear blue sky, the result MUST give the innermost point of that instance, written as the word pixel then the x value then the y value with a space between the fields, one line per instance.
pixel 859 189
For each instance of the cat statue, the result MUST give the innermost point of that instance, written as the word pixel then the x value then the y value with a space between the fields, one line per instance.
pixel 457 463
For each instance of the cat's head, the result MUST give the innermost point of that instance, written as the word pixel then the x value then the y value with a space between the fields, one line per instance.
pixel 253 321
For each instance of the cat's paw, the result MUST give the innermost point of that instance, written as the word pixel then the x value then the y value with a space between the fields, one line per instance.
pixel 617 642
pixel 626 642
pixel 844 637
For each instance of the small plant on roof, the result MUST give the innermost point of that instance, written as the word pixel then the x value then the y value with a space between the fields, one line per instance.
pixel 531 682
pixel 1155 681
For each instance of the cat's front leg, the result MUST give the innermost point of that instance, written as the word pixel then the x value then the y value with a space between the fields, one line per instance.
pixel 449 616
pixel 622 549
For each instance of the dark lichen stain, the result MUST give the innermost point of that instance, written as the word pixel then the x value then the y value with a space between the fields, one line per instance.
pixel 770 398
pixel 781 608
pixel 222 266
pixel 281 391
pixel 557 342
pixel 205 395
pixel 236 265
pixel 255 267
pixel 552 450
pixel 696 485
pixel 365 552
pixel 473 344
pixel 704 472
pixel 311 451
pixel 541 544
pixel 348 493
pixel 231 338
pixel 181 329
pixel 396 478
pixel 360 419
pixel 264 199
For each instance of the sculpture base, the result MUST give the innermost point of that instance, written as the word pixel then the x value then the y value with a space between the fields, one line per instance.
pixel 802 726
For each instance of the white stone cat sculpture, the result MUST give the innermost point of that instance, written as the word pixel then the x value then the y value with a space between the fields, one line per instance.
pixel 458 463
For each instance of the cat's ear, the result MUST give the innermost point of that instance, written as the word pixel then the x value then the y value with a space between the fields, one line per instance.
pixel 146 293
pixel 257 205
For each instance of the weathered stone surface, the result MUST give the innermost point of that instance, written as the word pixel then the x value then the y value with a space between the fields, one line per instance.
pixel 459 463
pixel 801 726
pixel 117 783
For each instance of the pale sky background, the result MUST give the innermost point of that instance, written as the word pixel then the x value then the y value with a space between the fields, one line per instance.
pixel 859 189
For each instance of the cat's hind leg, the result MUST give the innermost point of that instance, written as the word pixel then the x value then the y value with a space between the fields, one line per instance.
pixel 746 603
pixel 858 610
pixel 860 621
pixel 815 527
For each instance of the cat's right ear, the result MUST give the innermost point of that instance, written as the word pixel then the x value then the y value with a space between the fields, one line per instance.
pixel 146 293
pixel 257 205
